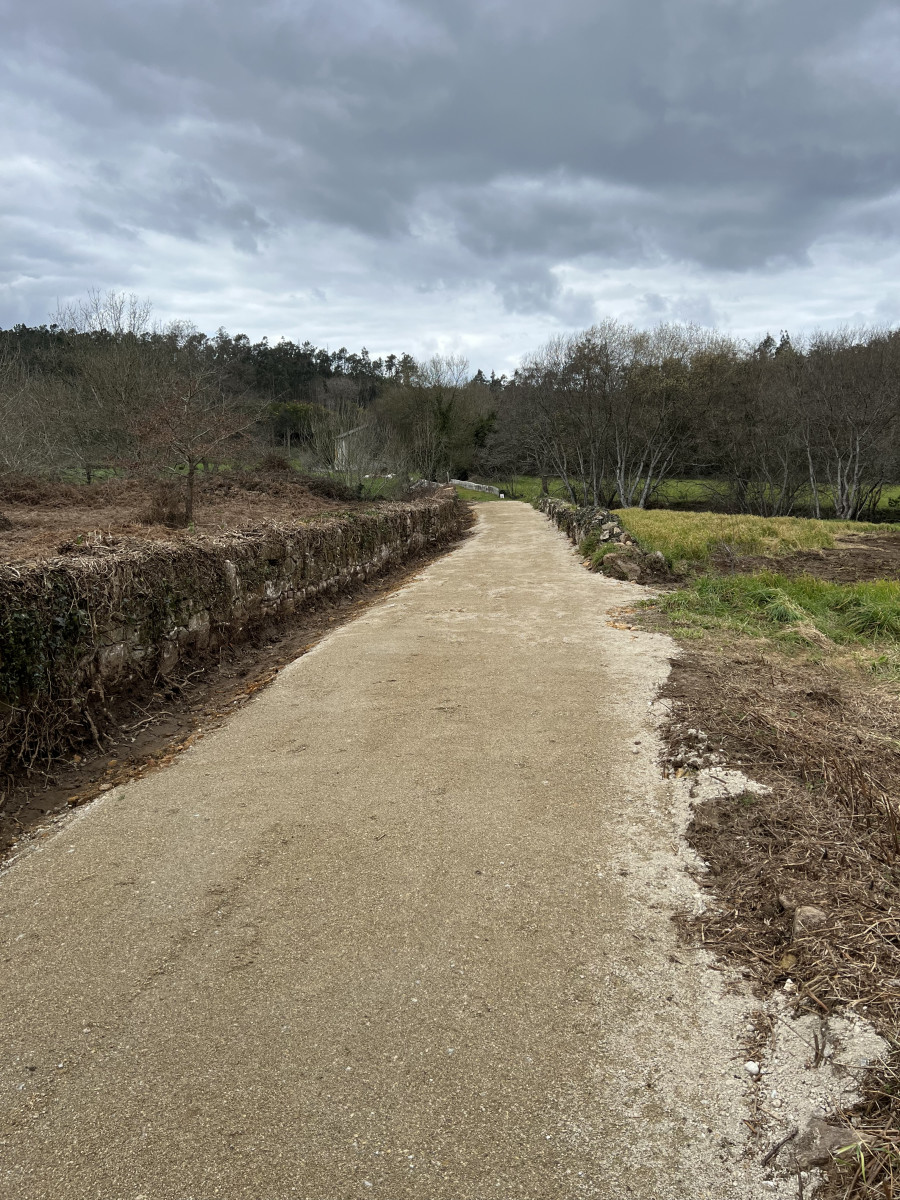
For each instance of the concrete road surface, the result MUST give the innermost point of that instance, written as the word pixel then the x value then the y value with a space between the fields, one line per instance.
pixel 400 928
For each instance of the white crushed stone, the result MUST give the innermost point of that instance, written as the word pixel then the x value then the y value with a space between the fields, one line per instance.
pixel 784 1089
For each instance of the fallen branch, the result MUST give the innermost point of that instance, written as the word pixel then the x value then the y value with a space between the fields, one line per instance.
pixel 769 1155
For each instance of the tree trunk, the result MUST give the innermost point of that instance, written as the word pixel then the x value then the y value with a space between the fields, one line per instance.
pixel 814 486
pixel 189 492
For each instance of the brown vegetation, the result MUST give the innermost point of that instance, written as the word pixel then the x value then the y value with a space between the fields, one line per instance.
pixel 48 517
pixel 823 737
pixel 105 390
pixel 851 560
pixel 826 835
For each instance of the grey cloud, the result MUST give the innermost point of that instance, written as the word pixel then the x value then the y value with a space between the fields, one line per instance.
pixel 723 134
pixel 528 288
pixel 654 303
pixel 697 309
pixel 184 200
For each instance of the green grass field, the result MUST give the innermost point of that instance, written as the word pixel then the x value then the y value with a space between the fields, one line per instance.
pixel 769 603
pixel 692 537
pixel 799 611
pixel 470 494
pixel 683 493
pixel 675 493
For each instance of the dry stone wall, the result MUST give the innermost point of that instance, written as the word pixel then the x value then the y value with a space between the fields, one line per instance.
pixel 476 487
pixel 577 523
pixel 75 631
pixel 595 531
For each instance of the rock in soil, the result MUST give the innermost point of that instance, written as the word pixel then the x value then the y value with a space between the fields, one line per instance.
pixel 807 918
pixel 819 1142
pixel 622 566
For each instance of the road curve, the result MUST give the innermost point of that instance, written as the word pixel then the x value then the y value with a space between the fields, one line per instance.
pixel 400 928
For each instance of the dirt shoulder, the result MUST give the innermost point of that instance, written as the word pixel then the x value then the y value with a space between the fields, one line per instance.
pixel 804 870
pixel 825 745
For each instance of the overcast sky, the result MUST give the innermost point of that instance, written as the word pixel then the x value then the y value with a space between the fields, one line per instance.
pixel 453 175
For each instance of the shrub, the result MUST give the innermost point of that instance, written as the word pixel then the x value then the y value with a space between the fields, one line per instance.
pixel 166 506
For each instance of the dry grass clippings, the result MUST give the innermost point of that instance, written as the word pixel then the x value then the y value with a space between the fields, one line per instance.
pixel 47 518
pixel 826 835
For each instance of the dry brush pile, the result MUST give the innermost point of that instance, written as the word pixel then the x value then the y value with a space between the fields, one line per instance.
pixel 827 835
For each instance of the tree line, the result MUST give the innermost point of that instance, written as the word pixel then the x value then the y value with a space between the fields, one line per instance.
pixel 774 429
pixel 102 389
pixel 614 413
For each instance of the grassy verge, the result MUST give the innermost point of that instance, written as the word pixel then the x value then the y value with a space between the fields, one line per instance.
pixel 779 606
pixel 694 537
pixel 791 610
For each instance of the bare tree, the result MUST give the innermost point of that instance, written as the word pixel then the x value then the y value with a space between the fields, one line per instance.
pixel 24 442
pixel 192 413
pixel 573 384
pixel 110 375
pixel 651 410
pixel 851 409
pixel 115 313
pixel 759 432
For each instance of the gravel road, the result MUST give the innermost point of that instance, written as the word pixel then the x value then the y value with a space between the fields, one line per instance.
pixel 400 928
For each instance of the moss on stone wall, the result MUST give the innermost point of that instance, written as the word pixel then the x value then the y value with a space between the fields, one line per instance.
pixel 578 524
pixel 75 631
